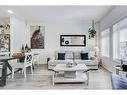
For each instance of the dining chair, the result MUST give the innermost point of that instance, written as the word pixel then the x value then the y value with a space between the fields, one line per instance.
pixel 28 60
pixel 36 58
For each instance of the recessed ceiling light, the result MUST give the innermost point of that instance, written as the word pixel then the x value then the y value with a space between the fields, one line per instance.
pixel 10 11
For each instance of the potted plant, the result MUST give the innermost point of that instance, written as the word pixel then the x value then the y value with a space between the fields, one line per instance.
pixel 92 31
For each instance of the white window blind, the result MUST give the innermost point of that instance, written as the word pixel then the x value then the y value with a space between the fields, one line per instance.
pixel 119 36
pixel 105 42
pixel 116 48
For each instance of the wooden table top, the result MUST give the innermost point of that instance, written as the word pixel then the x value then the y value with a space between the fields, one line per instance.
pixel 5 58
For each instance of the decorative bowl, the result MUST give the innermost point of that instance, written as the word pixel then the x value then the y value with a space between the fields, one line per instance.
pixel 70 65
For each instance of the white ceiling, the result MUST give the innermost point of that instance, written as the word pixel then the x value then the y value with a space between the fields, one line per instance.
pixel 57 13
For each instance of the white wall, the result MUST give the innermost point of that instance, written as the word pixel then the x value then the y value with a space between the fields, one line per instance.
pixel 53 30
pixel 115 15
pixel 5 20
pixel 18 33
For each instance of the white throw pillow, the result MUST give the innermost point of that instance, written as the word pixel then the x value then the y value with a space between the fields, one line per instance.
pixel 77 55
pixel 68 55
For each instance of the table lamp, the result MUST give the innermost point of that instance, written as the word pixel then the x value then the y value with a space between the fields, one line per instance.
pixel 96 49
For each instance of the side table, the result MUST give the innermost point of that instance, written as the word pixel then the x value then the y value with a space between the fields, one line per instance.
pixel 118 68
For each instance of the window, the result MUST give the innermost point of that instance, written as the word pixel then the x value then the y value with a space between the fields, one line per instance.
pixel 105 42
pixel 116 49
pixel 119 36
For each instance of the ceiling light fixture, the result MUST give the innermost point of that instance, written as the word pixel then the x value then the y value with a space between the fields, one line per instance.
pixel 10 11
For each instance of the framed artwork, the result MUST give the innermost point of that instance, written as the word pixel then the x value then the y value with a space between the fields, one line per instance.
pixel 72 40
pixel 37 37
pixel 4 42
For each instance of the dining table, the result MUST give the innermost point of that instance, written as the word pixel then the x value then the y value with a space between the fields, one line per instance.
pixel 4 61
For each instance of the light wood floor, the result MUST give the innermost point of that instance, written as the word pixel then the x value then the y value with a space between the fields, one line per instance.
pixel 42 79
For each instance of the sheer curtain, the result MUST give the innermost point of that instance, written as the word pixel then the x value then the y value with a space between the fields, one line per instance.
pixel 105 42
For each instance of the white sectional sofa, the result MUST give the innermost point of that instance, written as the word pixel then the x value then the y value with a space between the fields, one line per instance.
pixel 72 55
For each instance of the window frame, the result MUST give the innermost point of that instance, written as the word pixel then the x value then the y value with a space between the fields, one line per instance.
pixel 117 30
pixel 107 34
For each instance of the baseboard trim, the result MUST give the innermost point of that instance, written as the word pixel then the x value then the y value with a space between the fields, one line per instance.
pixel 106 68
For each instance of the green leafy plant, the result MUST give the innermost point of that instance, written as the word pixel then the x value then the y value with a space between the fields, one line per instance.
pixel 1 26
pixel 91 32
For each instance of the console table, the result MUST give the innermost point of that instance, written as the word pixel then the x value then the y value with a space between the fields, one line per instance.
pixel 64 74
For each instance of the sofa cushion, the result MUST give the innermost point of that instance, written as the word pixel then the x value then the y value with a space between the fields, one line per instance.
pixel 55 62
pixel 61 56
pixel 84 56
pixel 87 62
pixel 68 55
pixel 77 55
